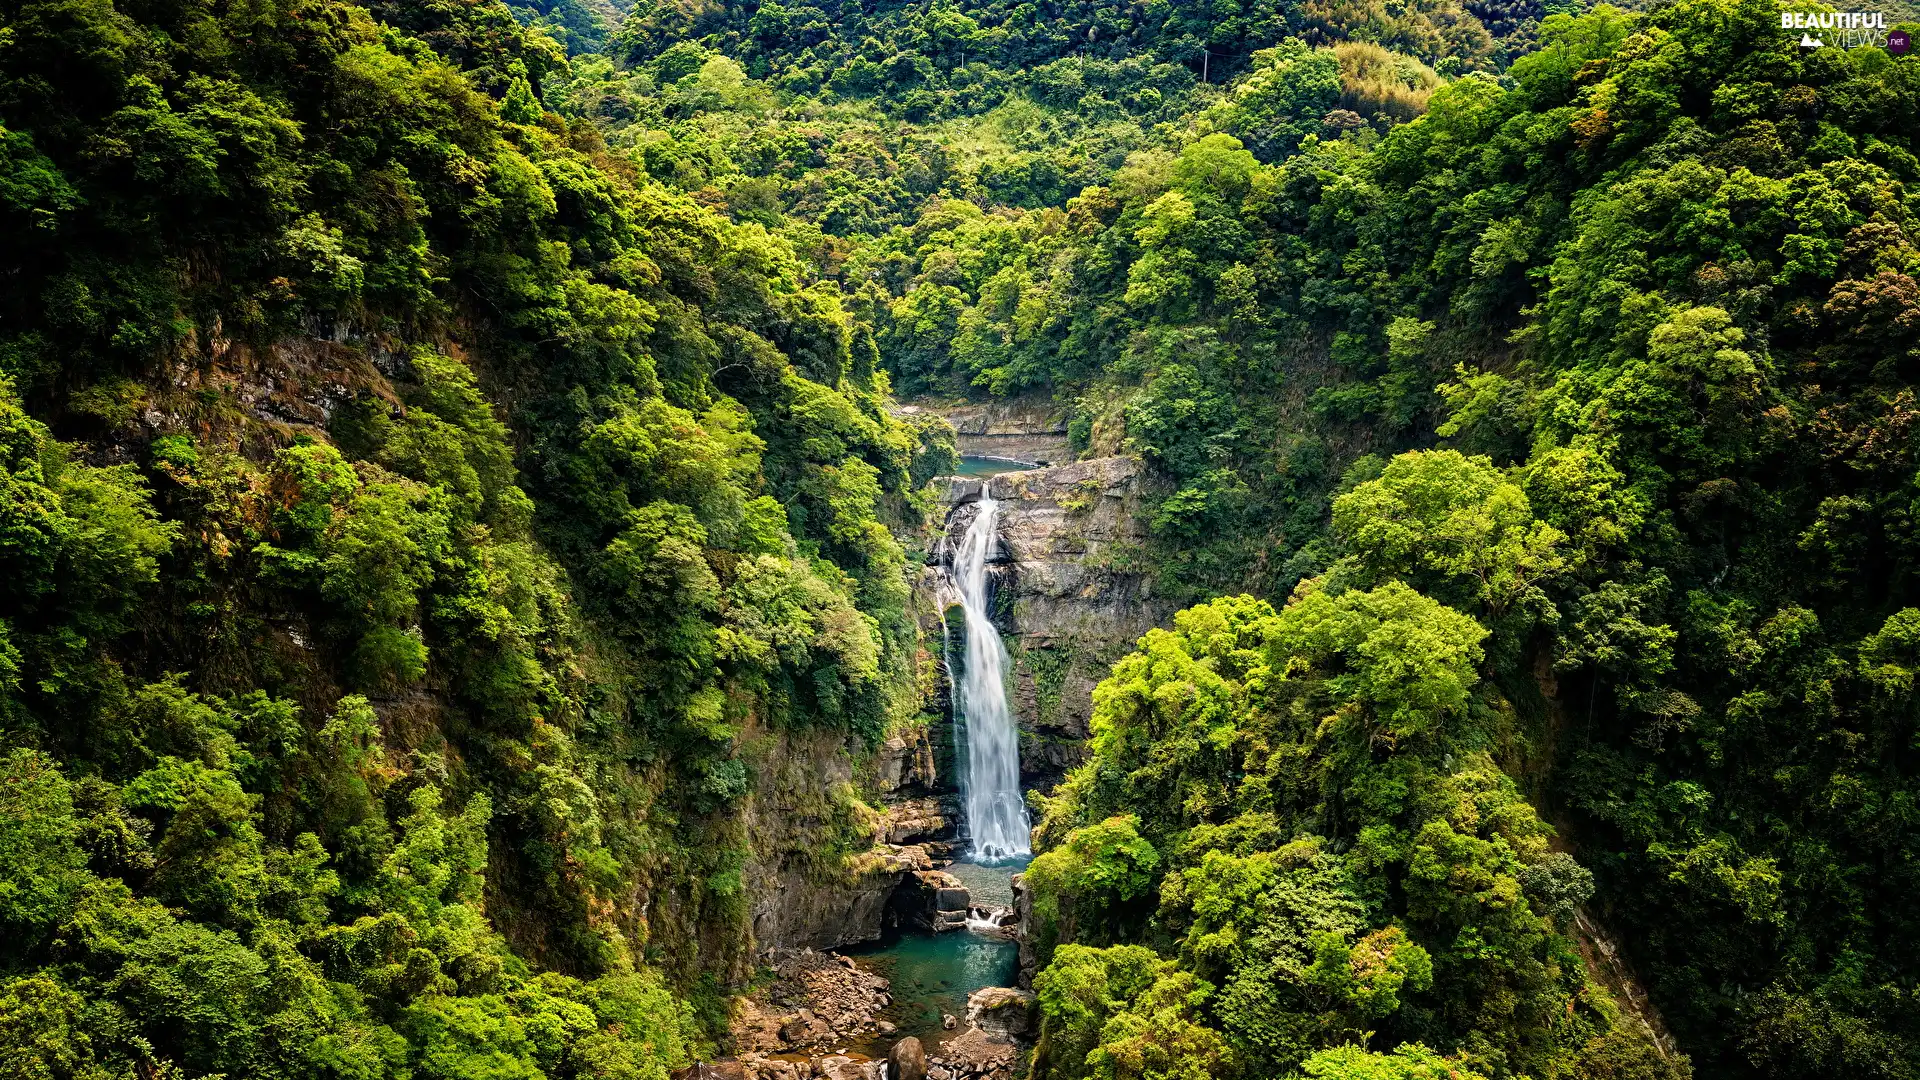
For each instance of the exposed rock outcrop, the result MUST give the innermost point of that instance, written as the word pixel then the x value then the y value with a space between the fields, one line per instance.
pixel 1070 589
pixel 973 1055
pixel 904 766
pixel 916 819
pixel 1003 1012
pixel 1023 429
pixel 801 897
pixel 1023 929
pixel 805 787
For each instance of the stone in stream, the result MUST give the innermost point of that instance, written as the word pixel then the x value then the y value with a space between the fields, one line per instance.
pixel 907 1060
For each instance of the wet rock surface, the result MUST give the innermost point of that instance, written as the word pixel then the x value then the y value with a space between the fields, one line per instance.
pixel 1067 591
pixel 938 902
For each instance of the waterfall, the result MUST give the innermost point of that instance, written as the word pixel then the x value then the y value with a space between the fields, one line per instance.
pixel 996 809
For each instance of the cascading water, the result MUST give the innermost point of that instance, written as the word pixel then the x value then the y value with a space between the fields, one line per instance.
pixel 996 810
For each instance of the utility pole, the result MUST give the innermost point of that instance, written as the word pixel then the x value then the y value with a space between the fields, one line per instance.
pixel 1205 56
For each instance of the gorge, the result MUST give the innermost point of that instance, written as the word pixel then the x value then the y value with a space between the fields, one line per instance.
pixel 583 540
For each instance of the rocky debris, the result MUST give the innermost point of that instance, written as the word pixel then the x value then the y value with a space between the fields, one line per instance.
pixel 1003 1012
pixel 717 1070
pixel 840 1067
pixel 755 1066
pixel 973 1055
pixel 907 1060
pixel 817 1001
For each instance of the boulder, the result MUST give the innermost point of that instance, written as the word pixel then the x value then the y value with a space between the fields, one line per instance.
pixel 932 900
pixel 1002 1012
pixel 907 1060
pixel 841 1067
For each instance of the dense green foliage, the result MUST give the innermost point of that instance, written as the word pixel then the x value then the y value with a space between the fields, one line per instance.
pixel 357 725
pixel 1336 850
pixel 942 59
pixel 1660 278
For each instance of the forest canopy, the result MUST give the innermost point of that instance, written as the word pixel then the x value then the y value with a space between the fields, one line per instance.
pixel 443 445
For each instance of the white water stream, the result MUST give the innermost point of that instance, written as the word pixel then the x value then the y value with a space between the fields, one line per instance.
pixel 996 809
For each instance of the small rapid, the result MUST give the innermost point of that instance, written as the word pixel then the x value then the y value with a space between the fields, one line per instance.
pixel 990 785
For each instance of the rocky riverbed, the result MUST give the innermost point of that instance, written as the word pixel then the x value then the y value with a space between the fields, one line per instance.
pixel 822 1018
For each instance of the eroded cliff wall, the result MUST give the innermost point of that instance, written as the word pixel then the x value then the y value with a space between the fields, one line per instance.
pixel 1072 592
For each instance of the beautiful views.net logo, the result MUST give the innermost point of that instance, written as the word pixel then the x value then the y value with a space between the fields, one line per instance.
pixel 1844 29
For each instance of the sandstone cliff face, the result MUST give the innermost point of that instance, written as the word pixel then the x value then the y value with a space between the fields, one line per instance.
pixel 1070 590
pixel 804 799
pixel 1018 430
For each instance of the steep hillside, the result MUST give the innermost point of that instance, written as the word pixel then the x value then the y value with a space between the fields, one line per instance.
pixel 431 552
pixel 1659 277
